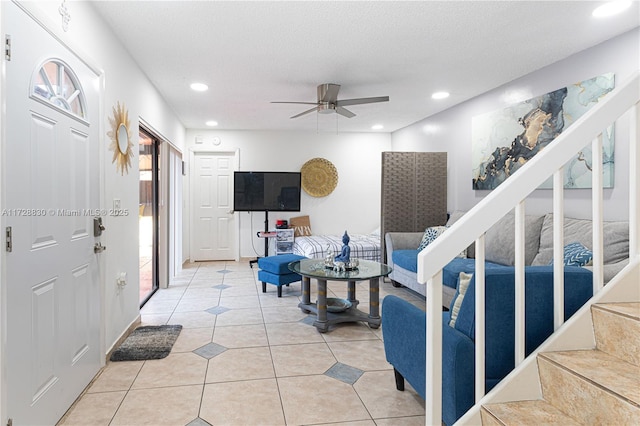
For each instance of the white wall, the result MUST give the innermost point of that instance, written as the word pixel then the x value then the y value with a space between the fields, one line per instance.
pixel 353 206
pixel 451 130
pixel 124 83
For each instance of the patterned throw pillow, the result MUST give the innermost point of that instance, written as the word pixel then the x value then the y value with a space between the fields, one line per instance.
pixel 575 254
pixel 301 226
pixel 433 232
pixel 463 283
pixel 430 235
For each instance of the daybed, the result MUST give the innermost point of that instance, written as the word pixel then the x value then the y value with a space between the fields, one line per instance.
pixel 402 252
pixel 363 246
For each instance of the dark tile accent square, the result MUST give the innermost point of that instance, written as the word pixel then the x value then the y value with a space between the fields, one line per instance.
pixel 344 373
pixel 209 350
pixel 224 271
pixel 217 310
pixel 309 319
pixel 221 286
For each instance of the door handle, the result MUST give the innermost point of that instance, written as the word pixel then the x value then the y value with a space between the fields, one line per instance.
pixel 99 248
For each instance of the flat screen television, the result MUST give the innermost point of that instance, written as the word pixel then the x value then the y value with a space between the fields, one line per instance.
pixel 266 191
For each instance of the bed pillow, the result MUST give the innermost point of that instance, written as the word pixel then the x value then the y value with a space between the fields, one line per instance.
pixel 301 226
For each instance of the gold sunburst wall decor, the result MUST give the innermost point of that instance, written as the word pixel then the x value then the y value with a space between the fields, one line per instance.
pixel 121 144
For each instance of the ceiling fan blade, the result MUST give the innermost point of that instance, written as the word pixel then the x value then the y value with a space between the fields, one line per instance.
pixel 346 102
pixel 287 102
pixel 344 112
pixel 328 92
pixel 305 112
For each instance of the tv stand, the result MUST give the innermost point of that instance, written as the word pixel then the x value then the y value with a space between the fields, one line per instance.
pixel 266 239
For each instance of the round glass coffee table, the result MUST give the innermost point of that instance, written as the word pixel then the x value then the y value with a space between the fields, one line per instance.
pixel 340 310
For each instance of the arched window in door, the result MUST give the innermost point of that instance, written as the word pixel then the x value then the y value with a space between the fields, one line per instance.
pixel 54 83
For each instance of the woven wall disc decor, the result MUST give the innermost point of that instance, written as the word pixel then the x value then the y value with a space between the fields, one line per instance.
pixel 319 177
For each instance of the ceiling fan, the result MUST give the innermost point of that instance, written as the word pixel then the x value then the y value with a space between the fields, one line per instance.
pixel 328 101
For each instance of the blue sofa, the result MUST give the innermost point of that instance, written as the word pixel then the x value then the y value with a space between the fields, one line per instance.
pixel 404 326
pixel 402 253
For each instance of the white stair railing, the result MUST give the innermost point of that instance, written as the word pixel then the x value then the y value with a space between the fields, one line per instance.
pixel 510 195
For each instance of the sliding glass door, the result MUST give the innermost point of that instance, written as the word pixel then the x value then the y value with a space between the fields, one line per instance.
pixel 149 160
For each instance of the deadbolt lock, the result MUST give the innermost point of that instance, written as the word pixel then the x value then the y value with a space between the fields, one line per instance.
pixel 98 227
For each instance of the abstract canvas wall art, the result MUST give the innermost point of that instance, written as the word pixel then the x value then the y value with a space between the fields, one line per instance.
pixel 504 140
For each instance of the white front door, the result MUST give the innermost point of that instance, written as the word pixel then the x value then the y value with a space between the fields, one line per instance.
pixel 212 232
pixel 50 186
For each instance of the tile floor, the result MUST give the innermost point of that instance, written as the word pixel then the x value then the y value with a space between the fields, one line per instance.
pixel 250 358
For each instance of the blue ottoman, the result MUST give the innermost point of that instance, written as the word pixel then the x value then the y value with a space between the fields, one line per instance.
pixel 274 270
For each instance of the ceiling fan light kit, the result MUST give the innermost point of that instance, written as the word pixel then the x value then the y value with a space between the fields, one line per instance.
pixel 328 102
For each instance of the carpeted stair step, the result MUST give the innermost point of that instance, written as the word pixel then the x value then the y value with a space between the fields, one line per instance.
pixel 535 412
pixel 591 386
pixel 617 330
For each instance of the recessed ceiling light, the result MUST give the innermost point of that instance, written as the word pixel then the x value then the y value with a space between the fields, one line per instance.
pixel 199 87
pixel 377 127
pixel 611 8
pixel 211 123
pixel 440 95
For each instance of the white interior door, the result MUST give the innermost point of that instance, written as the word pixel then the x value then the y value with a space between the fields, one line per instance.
pixel 51 190
pixel 213 235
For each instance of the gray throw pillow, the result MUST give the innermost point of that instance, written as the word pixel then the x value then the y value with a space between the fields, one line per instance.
pixel 470 252
pixel 616 238
pixel 500 240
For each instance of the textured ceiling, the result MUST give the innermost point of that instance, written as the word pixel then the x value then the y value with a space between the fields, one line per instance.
pixel 252 53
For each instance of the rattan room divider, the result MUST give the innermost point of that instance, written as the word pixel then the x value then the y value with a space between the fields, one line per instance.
pixel 414 192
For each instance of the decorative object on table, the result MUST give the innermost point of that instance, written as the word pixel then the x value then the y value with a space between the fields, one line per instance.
pixel 147 342
pixel 352 265
pixel 335 304
pixel 121 144
pixel 319 177
pixel 328 260
pixel 345 254
pixel 342 262
pixel 339 266
pixel 505 140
